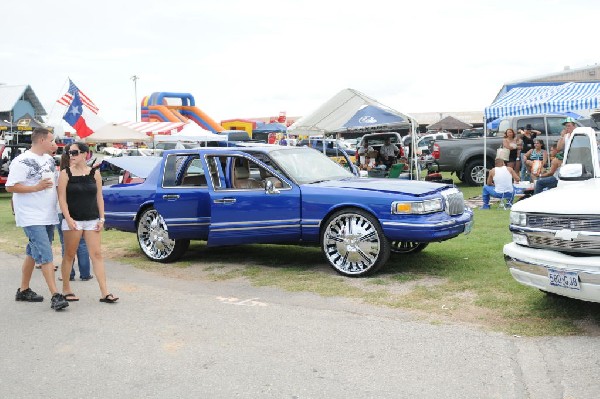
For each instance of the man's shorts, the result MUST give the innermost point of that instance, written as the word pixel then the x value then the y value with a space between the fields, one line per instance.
pixel 40 243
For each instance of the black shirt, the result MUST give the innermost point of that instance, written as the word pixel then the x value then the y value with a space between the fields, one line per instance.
pixel 528 142
pixel 81 196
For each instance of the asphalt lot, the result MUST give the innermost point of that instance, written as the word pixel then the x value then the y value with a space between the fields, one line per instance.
pixel 170 338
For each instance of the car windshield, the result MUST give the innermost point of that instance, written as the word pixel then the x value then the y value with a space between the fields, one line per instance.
pixel 305 165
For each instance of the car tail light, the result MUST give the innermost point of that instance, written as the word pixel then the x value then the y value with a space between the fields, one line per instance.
pixel 436 151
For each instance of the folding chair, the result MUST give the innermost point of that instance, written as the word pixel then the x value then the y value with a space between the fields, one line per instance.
pixel 506 200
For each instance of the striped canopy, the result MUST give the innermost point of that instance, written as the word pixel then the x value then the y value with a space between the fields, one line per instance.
pixel 155 127
pixel 545 99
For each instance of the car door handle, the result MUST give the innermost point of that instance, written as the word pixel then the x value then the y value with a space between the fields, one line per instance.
pixel 171 197
pixel 225 201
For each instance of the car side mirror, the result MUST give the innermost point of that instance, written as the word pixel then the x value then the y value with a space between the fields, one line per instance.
pixel 270 187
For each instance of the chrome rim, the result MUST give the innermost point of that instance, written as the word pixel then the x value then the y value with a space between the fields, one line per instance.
pixel 477 174
pixel 153 236
pixel 404 247
pixel 351 243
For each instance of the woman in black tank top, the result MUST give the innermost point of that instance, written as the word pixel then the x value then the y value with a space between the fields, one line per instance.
pixel 82 205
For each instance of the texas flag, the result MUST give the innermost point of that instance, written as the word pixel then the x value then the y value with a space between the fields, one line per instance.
pixel 76 118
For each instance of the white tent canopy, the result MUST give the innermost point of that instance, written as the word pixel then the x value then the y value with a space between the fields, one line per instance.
pixel 191 132
pixel 335 115
pixel 113 133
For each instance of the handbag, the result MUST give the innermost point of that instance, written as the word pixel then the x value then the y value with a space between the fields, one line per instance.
pixel 503 153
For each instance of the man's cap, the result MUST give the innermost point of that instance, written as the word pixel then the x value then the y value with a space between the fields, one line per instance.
pixel 568 119
pixel 528 126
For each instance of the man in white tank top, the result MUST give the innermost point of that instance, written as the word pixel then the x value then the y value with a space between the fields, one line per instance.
pixel 499 183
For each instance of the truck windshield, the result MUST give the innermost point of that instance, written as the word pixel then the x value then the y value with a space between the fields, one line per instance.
pixel 580 151
pixel 305 165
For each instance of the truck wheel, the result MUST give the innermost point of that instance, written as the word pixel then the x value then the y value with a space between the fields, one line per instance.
pixel 353 243
pixel 461 175
pixel 154 240
pixel 474 174
pixel 407 247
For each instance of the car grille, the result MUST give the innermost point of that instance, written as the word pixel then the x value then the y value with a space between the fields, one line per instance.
pixel 578 245
pixel 559 222
pixel 455 202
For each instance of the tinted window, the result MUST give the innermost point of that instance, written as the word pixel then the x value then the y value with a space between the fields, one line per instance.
pixel 536 124
pixel 555 125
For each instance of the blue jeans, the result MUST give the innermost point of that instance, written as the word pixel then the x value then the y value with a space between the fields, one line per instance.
pixel 524 173
pixel 83 255
pixel 545 183
pixel 39 246
pixel 490 191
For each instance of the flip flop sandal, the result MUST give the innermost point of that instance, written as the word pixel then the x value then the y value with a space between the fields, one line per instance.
pixel 110 298
pixel 71 297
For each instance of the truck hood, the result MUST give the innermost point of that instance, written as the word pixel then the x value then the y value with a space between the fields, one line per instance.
pixel 571 199
pixel 401 186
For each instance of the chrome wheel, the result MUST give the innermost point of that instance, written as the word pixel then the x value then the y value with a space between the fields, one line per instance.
pixel 407 247
pixel 153 237
pixel 353 243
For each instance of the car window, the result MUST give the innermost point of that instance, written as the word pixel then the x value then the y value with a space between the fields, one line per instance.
pixel 184 171
pixel 555 125
pixel 537 123
pixel 236 172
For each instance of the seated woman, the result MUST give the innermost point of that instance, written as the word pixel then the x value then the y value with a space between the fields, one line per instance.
pixel 536 159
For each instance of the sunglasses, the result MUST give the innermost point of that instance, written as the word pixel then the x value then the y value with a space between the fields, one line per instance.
pixel 74 153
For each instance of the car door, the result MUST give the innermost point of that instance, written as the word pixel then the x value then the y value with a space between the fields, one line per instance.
pixel 247 212
pixel 182 197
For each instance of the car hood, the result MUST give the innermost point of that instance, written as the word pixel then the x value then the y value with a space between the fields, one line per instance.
pixel 400 186
pixel 573 198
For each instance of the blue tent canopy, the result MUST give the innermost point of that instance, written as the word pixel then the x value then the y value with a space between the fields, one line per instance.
pixel 545 99
pixel 371 116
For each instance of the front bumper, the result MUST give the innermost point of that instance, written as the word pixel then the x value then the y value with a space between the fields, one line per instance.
pixel 428 230
pixel 530 266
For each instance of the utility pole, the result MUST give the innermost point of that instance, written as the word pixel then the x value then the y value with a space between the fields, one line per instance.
pixel 135 79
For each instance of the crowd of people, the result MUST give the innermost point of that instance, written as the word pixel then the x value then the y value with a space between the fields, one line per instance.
pixel 75 206
pixel 369 158
pixel 527 155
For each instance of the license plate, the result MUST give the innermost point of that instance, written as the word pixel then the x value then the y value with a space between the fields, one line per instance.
pixel 561 278
pixel 468 227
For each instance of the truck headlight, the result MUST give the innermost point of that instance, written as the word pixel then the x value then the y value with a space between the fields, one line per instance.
pixel 518 218
pixel 417 207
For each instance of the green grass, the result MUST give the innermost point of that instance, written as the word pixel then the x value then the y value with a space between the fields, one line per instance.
pixel 464 279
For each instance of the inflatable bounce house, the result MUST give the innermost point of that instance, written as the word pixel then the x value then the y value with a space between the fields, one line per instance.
pixel 156 108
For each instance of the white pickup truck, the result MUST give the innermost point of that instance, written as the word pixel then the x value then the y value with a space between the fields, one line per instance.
pixel 556 234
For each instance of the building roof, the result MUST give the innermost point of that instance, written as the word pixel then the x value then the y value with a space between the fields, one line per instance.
pixel 585 74
pixel 9 95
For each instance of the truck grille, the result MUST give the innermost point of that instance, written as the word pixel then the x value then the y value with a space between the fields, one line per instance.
pixel 578 245
pixel 559 222
pixel 454 201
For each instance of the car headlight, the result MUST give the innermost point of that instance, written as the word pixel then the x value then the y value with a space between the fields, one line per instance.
pixel 520 239
pixel 417 207
pixel 518 218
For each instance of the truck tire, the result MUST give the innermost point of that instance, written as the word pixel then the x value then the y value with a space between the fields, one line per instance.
pixel 353 243
pixel 474 174
pixel 154 241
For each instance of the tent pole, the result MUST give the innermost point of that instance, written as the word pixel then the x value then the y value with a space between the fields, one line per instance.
pixel 484 149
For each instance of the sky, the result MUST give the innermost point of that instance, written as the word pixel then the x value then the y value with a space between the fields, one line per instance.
pixel 244 59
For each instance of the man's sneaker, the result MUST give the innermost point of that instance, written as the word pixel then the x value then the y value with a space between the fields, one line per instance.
pixel 485 207
pixel 58 302
pixel 28 296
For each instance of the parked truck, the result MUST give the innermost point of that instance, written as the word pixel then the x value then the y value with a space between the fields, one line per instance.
pixel 465 156
pixel 556 234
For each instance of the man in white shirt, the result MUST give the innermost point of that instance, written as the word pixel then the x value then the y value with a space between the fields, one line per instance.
pixel 499 183
pixel 388 152
pixel 31 180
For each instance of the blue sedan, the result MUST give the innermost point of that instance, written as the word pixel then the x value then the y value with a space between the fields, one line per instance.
pixel 273 194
